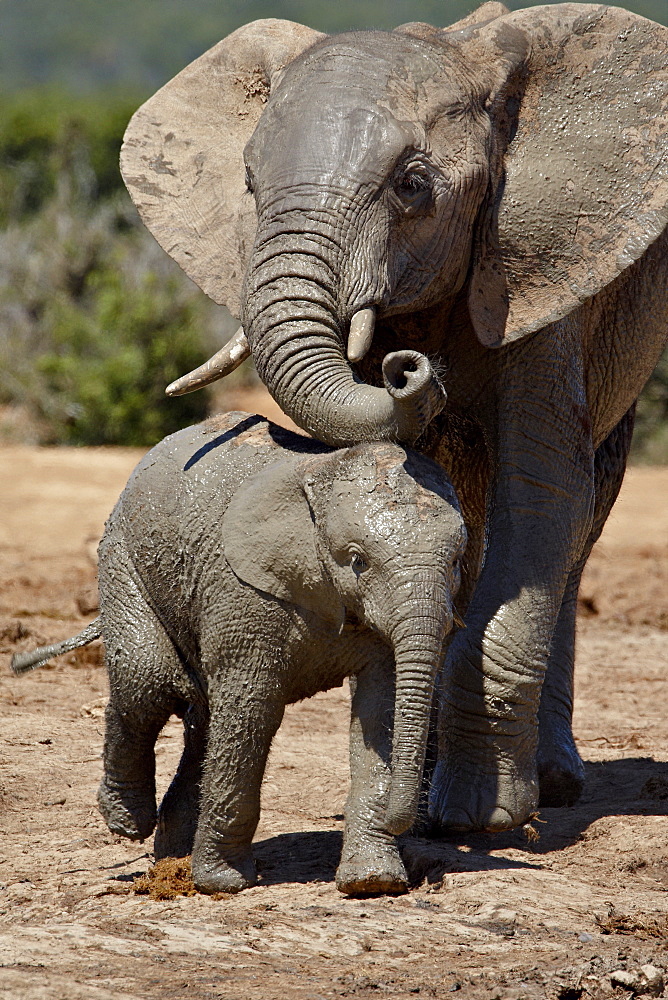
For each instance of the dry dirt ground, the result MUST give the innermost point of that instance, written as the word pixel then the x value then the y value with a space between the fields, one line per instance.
pixel 489 917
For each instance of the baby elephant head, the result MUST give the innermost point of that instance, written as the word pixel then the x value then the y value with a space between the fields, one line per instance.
pixel 368 536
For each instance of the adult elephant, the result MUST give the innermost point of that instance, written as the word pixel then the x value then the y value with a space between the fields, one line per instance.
pixel 494 194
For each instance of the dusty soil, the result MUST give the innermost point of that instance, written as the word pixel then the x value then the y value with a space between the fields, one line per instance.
pixel 494 917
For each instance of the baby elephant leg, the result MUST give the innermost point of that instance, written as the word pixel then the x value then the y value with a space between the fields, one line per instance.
pixel 179 809
pixel 126 796
pixel 140 661
pixel 244 715
pixel 370 859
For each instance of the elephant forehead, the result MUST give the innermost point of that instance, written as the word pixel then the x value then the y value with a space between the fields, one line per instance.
pixel 397 66
pixel 384 512
pixel 400 523
pixel 323 136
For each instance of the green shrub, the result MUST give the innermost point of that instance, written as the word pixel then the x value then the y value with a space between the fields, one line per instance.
pixel 50 140
pixel 95 321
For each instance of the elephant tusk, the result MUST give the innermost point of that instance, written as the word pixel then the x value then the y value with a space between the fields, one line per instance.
pixel 225 361
pixel 361 333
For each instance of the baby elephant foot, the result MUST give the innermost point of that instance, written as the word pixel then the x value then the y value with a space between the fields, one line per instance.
pixel 371 867
pixel 212 875
pixel 560 769
pixel 480 798
pixel 128 812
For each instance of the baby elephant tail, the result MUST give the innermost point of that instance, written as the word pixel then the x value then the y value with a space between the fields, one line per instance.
pixel 23 662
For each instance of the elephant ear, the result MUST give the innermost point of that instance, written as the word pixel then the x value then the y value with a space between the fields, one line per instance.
pixel 270 543
pixel 584 186
pixel 182 157
pixel 486 11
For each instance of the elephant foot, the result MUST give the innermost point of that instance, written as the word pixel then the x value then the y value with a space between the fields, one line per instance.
pixel 372 869
pixel 127 812
pixel 560 769
pixel 211 876
pixel 481 799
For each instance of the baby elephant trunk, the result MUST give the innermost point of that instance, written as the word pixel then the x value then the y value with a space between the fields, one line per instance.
pixel 417 658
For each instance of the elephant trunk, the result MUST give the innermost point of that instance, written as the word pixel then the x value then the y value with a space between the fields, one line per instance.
pixel 290 319
pixel 418 650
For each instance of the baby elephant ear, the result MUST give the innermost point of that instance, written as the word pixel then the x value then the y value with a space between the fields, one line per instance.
pixel 182 158
pixel 585 189
pixel 269 542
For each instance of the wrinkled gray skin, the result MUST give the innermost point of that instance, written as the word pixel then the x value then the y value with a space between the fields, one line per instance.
pixel 246 567
pixel 480 187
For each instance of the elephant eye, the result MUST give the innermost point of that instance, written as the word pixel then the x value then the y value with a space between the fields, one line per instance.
pixel 358 564
pixel 413 188
pixel 249 181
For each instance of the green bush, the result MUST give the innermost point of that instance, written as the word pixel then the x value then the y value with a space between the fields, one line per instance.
pixel 95 321
pixel 51 139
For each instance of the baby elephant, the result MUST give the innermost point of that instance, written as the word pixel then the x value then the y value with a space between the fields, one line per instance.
pixel 246 567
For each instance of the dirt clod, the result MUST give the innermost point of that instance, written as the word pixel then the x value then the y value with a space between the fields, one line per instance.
pixel 166 879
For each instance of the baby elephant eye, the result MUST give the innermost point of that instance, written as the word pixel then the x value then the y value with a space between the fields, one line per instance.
pixel 358 564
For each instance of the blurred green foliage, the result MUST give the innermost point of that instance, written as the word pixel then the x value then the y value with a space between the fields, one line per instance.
pixel 89 44
pixel 49 138
pixel 95 320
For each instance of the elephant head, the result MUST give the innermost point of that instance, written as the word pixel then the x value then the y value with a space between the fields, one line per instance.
pixel 316 183
pixel 369 536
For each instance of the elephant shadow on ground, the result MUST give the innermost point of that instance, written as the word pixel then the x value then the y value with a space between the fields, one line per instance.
pixel 311 856
pixel 314 857
pixel 632 786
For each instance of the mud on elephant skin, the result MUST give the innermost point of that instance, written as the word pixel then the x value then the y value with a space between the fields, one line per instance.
pixel 246 567
pixel 493 195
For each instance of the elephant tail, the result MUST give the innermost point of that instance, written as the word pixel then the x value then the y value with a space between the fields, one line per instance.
pixel 23 662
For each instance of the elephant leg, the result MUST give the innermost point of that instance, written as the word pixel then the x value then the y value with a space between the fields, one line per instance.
pixel 139 658
pixel 370 859
pixel 560 769
pixel 460 448
pixel 464 457
pixel 245 713
pixel 147 682
pixel 541 512
pixel 179 809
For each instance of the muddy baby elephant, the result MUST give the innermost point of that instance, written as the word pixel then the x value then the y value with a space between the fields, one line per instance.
pixel 246 567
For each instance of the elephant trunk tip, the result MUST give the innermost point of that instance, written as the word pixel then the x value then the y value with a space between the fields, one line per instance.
pixel 401 810
pixel 408 373
pixel 412 382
